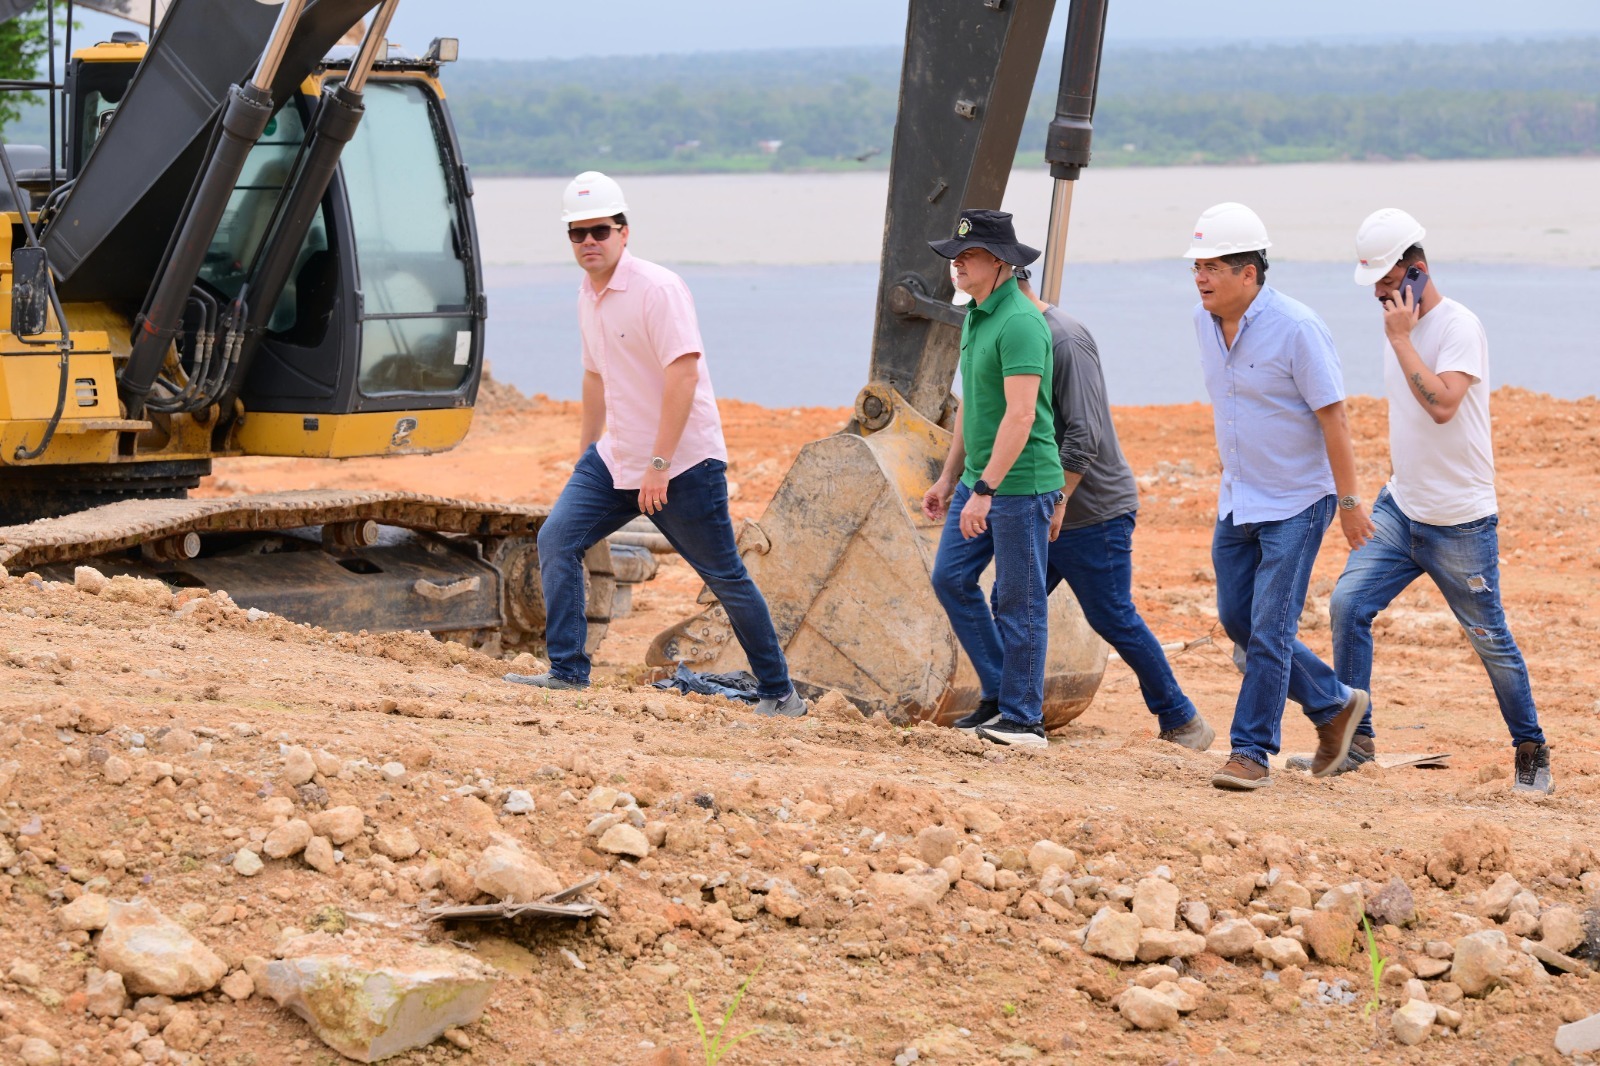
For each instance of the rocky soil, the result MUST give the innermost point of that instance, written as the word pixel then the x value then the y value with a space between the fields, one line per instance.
pixel 276 797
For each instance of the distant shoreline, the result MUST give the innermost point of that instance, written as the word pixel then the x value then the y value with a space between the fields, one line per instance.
pixel 1528 211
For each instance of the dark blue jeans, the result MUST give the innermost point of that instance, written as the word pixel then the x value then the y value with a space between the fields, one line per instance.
pixel 695 521
pixel 1006 638
pixel 1097 564
pixel 1464 561
pixel 1263 570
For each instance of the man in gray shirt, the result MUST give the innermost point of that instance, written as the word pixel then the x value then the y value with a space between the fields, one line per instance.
pixel 1091 534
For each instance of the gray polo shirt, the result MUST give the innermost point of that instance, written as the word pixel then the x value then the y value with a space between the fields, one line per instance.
pixel 1085 434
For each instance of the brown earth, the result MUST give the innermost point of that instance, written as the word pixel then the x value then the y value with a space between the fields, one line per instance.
pixel 846 972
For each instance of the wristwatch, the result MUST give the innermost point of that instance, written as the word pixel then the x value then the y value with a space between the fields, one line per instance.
pixel 658 463
pixel 982 488
pixel 1348 503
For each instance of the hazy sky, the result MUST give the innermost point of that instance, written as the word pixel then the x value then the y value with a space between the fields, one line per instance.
pixel 539 29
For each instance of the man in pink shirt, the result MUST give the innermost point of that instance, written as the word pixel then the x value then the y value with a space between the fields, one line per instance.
pixel 651 443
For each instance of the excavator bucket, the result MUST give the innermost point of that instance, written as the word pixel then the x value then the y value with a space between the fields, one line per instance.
pixel 844 555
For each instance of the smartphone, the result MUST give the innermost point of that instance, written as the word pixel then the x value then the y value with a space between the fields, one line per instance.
pixel 1414 282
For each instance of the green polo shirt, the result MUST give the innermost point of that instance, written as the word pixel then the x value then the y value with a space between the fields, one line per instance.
pixel 1002 337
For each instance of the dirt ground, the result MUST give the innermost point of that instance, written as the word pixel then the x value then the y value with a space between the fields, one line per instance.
pixel 778 846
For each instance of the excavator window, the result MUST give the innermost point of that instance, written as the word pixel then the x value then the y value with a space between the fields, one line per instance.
pixel 97 92
pixel 416 333
pixel 249 213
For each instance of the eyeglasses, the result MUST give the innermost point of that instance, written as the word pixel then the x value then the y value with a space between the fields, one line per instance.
pixel 1212 270
pixel 601 232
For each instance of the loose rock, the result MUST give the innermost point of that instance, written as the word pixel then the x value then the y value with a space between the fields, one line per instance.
pixel 1579 1037
pixel 1047 853
pixel 1113 935
pixel 919 888
pixel 1147 1010
pixel 507 874
pixel 1480 962
pixel 624 839
pixel 1281 951
pixel 89 911
pixel 288 839
pixel 1155 903
pixel 1413 1021
pixel 1232 938
pixel 370 1008
pixel 339 824
pixel 107 997
pixel 156 955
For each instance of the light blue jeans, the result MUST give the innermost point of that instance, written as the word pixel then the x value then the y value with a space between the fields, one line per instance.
pixel 1463 562
pixel 1006 639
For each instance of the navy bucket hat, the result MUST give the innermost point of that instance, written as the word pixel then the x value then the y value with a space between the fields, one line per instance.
pixel 991 231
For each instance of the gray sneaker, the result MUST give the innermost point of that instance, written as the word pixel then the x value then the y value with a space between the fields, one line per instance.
pixel 1362 751
pixel 550 681
pixel 1195 734
pixel 1533 769
pixel 791 706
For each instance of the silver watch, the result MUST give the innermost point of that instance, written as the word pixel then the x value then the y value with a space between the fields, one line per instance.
pixel 658 463
pixel 1348 503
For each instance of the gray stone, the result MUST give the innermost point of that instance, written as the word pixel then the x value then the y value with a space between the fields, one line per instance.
pixel 319 855
pixel 298 766
pixel 1113 935
pixel 1413 1021
pixel 156 955
pixel 369 1009
pixel 1579 1037
pixel 396 842
pixel 247 863
pixel 518 801
pixel 1197 916
pixel 36 1052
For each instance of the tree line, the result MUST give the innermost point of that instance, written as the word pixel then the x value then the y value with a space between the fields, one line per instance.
pixel 822 109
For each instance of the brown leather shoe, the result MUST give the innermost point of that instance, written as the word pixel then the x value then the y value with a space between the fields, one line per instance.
pixel 1242 775
pixel 1335 735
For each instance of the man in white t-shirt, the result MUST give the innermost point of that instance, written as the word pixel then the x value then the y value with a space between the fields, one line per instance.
pixel 1437 514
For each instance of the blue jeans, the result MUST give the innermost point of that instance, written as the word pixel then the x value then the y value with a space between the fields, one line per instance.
pixel 1097 564
pixel 1464 562
pixel 1263 570
pixel 1005 639
pixel 696 523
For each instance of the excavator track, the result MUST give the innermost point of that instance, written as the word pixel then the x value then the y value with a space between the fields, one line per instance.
pixel 379 561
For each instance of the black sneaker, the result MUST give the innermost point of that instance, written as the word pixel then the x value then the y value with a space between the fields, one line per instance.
pixel 1533 769
pixel 1013 734
pixel 988 713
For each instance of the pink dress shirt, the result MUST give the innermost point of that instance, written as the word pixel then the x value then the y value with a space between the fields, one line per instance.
pixel 632 330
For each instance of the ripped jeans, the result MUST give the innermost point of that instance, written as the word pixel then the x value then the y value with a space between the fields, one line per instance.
pixel 1463 562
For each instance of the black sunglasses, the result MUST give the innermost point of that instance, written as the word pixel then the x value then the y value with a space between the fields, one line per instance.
pixel 602 232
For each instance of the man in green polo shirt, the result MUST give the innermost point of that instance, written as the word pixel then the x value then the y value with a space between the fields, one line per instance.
pixel 1001 482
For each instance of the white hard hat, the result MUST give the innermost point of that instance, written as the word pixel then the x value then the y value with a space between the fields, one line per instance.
pixel 591 195
pixel 1225 230
pixel 1382 239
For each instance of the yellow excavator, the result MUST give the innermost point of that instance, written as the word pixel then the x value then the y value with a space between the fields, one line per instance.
pixel 245 238
pixel 843 553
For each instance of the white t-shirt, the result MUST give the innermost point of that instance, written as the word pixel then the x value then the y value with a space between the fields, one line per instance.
pixel 1443 474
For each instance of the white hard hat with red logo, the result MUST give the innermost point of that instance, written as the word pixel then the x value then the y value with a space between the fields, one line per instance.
pixel 591 195
pixel 1227 229
pixel 1382 239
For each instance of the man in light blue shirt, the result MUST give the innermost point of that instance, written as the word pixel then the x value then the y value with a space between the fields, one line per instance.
pixel 1277 396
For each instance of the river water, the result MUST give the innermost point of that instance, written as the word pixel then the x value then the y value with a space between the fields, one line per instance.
pixel 801 335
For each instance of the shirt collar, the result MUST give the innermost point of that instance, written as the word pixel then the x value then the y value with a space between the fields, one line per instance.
pixel 619 276
pixel 997 297
pixel 1263 300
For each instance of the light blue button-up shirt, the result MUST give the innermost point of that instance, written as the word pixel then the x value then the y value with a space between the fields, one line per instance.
pixel 1282 369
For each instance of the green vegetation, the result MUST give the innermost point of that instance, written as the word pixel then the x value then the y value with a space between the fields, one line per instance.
pixel 715 1047
pixel 24 43
pixel 834 109
pixel 1375 964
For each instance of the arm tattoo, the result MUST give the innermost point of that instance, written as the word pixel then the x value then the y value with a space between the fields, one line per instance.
pixel 1431 397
